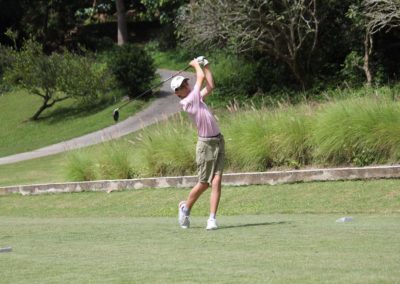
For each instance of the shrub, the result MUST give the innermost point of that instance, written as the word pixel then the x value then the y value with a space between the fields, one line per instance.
pixel 133 68
pixel 115 164
pixel 234 78
pixel 359 131
pixel 169 149
pixel 291 134
pixel 351 70
pixel 6 59
pixel 248 141
pixel 260 139
pixel 81 167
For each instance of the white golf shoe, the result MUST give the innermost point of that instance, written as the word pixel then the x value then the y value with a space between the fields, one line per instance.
pixel 184 220
pixel 212 224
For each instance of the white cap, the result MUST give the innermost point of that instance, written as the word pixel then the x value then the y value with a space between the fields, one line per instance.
pixel 177 82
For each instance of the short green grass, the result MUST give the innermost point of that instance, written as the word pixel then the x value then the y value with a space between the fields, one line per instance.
pixel 133 236
pixel 374 196
pixel 62 122
pixel 296 248
pixel 42 170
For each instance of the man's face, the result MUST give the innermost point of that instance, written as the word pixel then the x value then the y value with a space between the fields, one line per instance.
pixel 183 90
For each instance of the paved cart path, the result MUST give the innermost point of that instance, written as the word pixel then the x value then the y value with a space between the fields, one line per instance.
pixel 163 107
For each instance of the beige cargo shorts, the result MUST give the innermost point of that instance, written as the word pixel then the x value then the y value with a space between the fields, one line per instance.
pixel 210 157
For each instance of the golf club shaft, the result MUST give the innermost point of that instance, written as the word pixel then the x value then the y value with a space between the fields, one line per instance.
pixel 156 86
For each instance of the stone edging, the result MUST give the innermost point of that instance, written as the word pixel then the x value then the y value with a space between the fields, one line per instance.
pixel 236 179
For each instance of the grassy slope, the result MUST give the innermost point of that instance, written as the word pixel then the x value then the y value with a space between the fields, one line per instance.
pixel 43 170
pixel 99 237
pixel 18 134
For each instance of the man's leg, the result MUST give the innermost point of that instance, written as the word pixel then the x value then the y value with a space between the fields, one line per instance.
pixel 185 206
pixel 215 194
pixel 195 193
pixel 214 201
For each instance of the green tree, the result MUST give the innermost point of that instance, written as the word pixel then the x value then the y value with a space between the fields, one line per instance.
pixel 164 11
pixel 371 17
pixel 286 30
pixel 132 67
pixel 57 77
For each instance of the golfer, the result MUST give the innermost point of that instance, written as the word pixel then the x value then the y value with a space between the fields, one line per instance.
pixel 210 149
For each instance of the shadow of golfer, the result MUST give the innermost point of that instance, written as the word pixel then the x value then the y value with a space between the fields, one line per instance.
pixel 253 225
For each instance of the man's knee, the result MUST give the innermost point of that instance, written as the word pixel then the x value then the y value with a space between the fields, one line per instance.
pixel 216 182
pixel 203 185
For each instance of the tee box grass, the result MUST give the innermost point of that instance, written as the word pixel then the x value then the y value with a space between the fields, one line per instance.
pixel 267 234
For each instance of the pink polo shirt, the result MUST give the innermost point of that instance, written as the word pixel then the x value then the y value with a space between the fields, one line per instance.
pixel 205 122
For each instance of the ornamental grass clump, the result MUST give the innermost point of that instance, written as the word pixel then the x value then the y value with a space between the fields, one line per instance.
pixel 358 131
pixel 291 132
pixel 248 141
pixel 81 166
pixel 168 148
pixel 115 162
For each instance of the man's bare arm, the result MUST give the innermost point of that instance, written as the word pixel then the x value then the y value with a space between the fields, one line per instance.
pixel 199 72
pixel 207 90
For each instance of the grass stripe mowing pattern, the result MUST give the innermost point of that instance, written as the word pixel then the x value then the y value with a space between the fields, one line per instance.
pixel 292 248
pixel 133 236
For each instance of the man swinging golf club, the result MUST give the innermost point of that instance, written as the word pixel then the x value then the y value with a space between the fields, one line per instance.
pixel 210 149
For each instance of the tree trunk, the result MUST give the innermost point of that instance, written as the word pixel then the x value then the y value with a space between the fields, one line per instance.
pixel 41 109
pixel 367 52
pixel 297 73
pixel 122 26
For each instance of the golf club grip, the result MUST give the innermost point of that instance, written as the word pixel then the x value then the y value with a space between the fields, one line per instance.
pixel 159 84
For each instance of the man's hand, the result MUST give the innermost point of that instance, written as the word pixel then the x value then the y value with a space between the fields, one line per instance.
pixel 199 72
pixel 194 63
pixel 202 61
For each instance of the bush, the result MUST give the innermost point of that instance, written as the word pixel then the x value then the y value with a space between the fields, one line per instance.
pixel 235 78
pixel 81 167
pixel 6 60
pixel 169 149
pixel 261 139
pixel 351 70
pixel 248 141
pixel 291 134
pixel 115 164
pixel 133 68
pixel 358 131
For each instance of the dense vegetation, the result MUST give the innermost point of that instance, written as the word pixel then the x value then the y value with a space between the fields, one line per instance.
pixel 305 82
pixel 291 44
pixel 360 131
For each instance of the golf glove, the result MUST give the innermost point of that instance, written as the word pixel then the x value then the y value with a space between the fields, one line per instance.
pixel 202 61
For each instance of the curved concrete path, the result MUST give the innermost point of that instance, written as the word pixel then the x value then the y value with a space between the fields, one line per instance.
pixel 163 107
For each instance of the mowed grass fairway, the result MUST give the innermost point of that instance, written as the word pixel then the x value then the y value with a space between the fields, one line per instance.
pixel 268 234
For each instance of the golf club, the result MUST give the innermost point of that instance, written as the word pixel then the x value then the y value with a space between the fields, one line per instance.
pixel 116 111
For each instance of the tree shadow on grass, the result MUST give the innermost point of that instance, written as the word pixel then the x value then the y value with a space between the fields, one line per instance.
pixel 253 225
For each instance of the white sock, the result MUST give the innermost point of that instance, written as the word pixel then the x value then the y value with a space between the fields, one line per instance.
pixel 186 210
pixel 212 216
